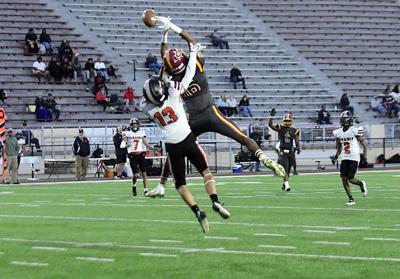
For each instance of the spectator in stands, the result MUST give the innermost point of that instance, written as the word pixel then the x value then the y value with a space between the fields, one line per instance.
pixel 221 105
pixel 218 40
pixel 151 63
pixel 12 150
pixel 66 70
pixel 236 76
pixel 29 137
pixel 324 117
pixel 39 69
pixel 51 106
pixel 111 71
pixel 46 44
pixel 55 70
pixel 77 68
pixel 345 104
pixel 129 97
pixel 99 82
pixel 31 44
pixel 88 71
pixel 231 104
pixel 42 114
pixel 377 105
pixel 65 51
pixel 81 150
pixel 100 67
pixel 392 102
pixel 244 107
pixel 3 96
pixel 101 98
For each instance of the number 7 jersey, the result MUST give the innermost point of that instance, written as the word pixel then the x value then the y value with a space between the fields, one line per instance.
pixel 171 116
pixel 349 142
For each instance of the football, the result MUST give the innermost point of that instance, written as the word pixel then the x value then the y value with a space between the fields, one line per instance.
pixel 149 18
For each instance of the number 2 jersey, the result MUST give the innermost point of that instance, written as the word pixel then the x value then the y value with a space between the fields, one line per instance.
pixel 349 142
pixel 171 116
pixel 135 141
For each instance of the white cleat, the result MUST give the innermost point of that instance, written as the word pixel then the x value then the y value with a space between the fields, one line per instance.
pixel 275 167
pixel 217 207
pixel 159 191
pixel 351 203
pixel 364 189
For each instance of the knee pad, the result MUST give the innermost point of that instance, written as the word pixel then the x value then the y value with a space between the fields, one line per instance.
pixel 208 178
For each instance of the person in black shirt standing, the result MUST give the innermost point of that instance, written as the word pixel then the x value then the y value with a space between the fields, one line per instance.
pixel 288 144
pixel 120 153
pixel 81 149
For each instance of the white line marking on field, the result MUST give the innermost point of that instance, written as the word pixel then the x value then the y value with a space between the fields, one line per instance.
pixel 28 263
pixel 1 253
pixel 165 240
pixel 48 248
pixel 276 246
pixel 381 239
pixel 6 193
pixel 75 200
pixel 317 231
pixel 331 243
pixel 221 237
pixel 42 201
pixel 158 255
pixel 94 259
pixel 108 199
pixel 270 234
pixel 29 205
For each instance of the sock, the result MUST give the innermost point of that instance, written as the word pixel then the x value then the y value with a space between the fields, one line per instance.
pixel 351 198
pixel 286 183
pixel 134 188
pixel 260 155
pixel 145 190
pixel 195 209
pixel 214 198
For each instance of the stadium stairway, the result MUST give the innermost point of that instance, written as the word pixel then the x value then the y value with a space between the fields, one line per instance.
pixel 75 103
pixel 274 76
pixel 354 43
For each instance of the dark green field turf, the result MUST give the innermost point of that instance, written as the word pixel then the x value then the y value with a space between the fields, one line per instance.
pixel 97 230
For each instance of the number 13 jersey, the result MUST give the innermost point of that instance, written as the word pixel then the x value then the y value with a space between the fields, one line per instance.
pixel 349 142
pixel 171 116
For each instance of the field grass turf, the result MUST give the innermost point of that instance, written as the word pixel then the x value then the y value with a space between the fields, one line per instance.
pixel 102 232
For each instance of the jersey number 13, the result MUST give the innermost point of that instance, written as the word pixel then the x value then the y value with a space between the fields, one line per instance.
pixel 166 117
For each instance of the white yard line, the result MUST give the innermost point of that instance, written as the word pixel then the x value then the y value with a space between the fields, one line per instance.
pixel 221 237
pixel 381 239
pixel 29 205
pixel 158 255
pixel 165 240
pixel 211 250
pixel 318 231
pixel 48 248
pixel 270 234
pixel 331 243
pixel 276 246
pixel 6 193
pixel 94 259
pixel 28 263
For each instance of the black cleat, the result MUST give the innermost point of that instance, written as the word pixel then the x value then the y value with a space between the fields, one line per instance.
pixel 202 218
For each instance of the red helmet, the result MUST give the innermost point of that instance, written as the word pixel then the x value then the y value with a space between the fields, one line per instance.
pixel 175 60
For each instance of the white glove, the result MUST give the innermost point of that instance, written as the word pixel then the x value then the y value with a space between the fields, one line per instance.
pixel 166 78
pixel 165 23
pixel 196 47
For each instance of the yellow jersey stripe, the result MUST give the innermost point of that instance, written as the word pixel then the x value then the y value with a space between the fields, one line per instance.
pixel 199 66
pixel 226 122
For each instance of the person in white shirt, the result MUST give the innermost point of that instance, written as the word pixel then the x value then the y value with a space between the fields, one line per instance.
pixel 39 69
pixel 232 104
pixel 99 66
pixel 136 143
pixel 165 107
pixel 348 151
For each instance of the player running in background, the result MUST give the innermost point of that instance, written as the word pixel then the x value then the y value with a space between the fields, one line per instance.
pixel 165 107
pixel 288 144
pixel 204 116
pixel 348 151
pixel 136 143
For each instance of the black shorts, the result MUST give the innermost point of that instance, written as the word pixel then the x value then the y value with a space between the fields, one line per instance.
pixel 138 162
pixel 176 154
pixel 121 157
pixel 286 159
pixel 212 120
pixel 348 168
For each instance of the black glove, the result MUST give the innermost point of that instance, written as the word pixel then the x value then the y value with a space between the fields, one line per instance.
pixel 334 159
pixel 298 150
pixel 273 112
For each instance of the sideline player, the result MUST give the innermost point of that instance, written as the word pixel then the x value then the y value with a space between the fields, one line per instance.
pixel 204 116
pixel 165 106
pixel 288 139
pixel 347 139
pixel 136 143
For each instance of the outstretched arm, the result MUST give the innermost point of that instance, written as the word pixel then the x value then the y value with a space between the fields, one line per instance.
pixel 271 120
pixel 168 25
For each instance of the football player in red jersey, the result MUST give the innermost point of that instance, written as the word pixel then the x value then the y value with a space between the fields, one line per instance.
pixel 204 116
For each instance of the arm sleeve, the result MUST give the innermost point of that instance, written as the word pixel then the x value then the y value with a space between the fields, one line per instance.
pixel 190 70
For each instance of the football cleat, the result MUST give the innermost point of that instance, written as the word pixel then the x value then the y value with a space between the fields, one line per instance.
pixel 159 191
pixel 202 218
pixel 218 207
pixel 275 167
pixel 351 202
pixel 286 189
pixel 364 189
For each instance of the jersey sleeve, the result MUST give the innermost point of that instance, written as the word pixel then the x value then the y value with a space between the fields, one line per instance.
pixel 336 133
pixel 358 131
pixel 190 70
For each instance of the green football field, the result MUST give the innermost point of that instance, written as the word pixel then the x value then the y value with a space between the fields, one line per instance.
pixel 97 230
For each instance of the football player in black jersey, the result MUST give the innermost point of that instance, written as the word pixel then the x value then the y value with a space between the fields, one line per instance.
pixel 204 116
pixel 288 144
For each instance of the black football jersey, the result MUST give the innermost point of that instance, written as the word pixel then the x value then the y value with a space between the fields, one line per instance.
pixel 286 136
pixel 197 96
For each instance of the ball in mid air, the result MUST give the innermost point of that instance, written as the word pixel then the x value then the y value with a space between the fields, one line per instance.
pixel 149 18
